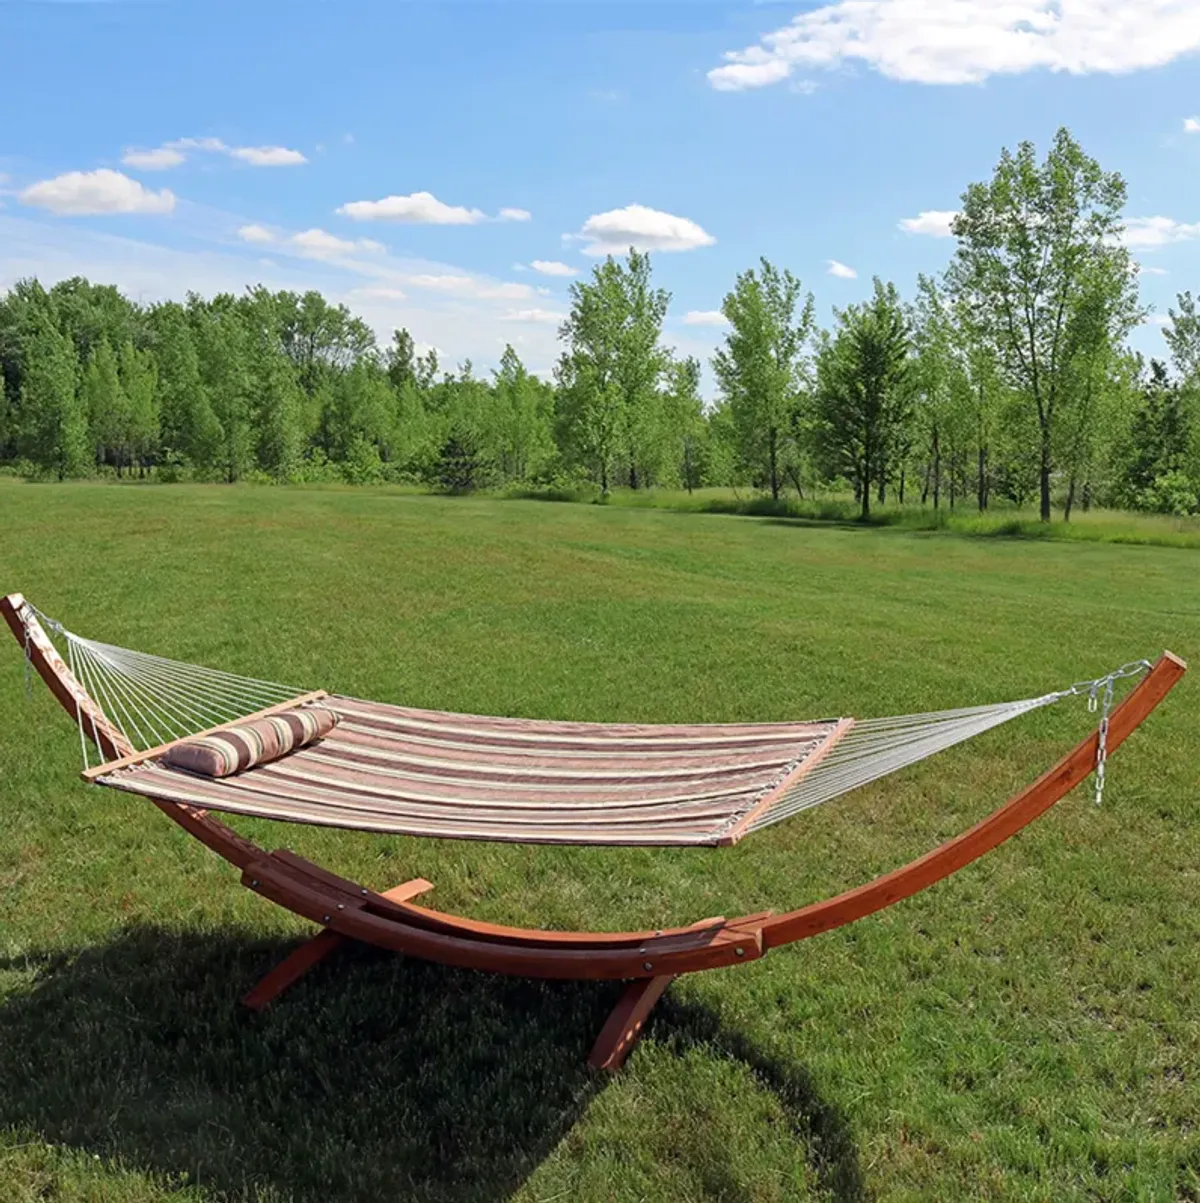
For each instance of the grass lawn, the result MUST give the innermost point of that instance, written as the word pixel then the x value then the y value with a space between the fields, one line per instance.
pixel 1029 1029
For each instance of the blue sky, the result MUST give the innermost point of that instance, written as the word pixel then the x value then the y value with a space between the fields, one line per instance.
pixel 446 166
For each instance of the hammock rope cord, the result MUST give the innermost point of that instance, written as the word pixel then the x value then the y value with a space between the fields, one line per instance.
pixel 156 701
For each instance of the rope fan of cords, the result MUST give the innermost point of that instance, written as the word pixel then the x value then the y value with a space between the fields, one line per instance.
pixel 400 770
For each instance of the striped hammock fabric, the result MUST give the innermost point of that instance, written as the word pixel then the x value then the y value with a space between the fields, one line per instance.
pixel 399 770
pixel 422 772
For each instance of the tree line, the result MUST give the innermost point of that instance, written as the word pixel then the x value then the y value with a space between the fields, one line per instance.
pixel 1008 376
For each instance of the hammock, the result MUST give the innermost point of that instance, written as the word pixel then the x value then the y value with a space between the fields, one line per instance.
pixel 401 770
pixel 404 771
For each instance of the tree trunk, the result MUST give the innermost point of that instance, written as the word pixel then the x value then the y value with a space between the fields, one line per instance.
pixel 774 466
pixel 1045 473
pixel 937 470
pixel 982 486
pixel 901 492
pixel 1070 499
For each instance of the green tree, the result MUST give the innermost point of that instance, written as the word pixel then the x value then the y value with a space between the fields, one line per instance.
pixel 189 426
pixel 223 353
pixel 609 373
pixel 683 420
pixel 106 406
pixel 522 409
pixel 864 390
pixel 54 428
pixel 761 369
pixel 139 383
pixel 1035 244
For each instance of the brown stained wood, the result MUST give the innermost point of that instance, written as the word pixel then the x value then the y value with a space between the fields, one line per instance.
pixel 953 855
pixel 60 680
pixel 705 948
pixel 624 1026
pixel 793 778
pixel 312 952
pixel 124 762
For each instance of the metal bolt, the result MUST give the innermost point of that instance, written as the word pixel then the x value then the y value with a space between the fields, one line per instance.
pixel 642 949
pixel 254 884
pixel 647 966
pixel 364 892
pixel 324 918
pixel 741 952
pixel 341 906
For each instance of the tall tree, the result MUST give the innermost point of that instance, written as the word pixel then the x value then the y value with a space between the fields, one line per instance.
pixel 139 380
pixel 523 408
pixel 54 429
pixel 223 351
pixel 106 406
pixel 683 414
pixel 1035 243
pixel 864 390
pixel 761 368
pixel 608 376
pixel 189 428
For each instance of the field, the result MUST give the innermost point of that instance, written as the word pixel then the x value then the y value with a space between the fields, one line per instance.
pixel 1029 1029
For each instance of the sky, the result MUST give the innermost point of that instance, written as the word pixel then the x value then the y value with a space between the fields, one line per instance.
pixel 453 167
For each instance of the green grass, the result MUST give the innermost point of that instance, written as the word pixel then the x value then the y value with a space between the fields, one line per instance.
pixel 1026 1030
pixel 1001 521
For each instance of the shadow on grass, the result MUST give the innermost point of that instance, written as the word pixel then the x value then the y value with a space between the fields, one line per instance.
pixel 379 1078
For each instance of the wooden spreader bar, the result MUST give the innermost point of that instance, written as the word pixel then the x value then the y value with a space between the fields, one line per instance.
pixel 649 960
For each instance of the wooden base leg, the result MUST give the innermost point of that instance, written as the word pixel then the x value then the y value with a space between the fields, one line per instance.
pixel 624 1026
pixel 312 952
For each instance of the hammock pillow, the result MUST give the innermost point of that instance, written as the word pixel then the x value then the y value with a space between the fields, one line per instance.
pixel 244 745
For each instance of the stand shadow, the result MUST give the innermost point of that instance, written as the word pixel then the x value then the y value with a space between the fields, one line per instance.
pixel 377 1078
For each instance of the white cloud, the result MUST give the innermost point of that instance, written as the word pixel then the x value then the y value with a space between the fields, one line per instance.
pixel 749 72
pixel 268 156
pixel 705 317
pixel 212 144
pixel 1148 233
pixel 319 244
pixel 1158 319
pixel 373 292
pixel 419 208
pixel 255 234
pixel 967 41
pixel 86 193
pixel 552 267
pixel 153 160
pixel 459 285
pixel 1152 271
pixel 1191 125
pixel 841 270
pixel 515 215
pixel 614 232
pixel 934 222
pixel 540 316
pixel 171 154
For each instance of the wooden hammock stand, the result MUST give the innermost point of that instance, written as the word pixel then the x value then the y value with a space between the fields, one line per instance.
pixel 648 960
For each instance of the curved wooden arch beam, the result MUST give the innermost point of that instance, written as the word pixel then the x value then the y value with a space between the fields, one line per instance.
pixel 987 834
pixel 106 735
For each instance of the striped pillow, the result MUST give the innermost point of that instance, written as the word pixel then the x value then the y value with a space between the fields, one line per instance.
pixel 244 745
